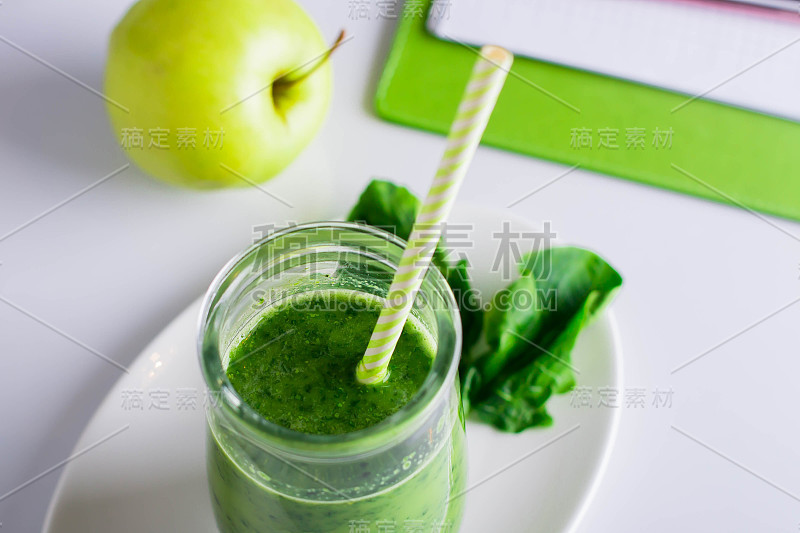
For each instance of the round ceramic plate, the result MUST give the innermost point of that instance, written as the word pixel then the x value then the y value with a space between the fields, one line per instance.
pixel 140 466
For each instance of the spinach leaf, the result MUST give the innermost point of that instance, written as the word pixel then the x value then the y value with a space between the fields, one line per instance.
pixel 387 206
pixel 530 340
pixel 393 208
pixel 470 309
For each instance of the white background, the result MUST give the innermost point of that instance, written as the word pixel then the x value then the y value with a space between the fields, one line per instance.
pixel 112 267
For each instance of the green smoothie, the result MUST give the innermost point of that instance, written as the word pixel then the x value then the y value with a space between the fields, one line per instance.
pixel 296 367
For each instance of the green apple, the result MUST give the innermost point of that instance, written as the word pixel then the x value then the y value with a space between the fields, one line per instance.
pixel 211 93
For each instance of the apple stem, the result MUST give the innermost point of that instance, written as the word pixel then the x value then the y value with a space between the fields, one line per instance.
pixel 299 74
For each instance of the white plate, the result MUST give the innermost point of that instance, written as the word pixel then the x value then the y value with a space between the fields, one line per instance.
pixel 143 470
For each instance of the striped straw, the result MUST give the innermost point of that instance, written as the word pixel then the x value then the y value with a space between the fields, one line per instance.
pixel 473 114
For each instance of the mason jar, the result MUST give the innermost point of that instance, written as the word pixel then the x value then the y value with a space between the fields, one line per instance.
pixel 407 473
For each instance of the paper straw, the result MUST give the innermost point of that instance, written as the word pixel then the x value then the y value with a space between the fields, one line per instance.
pixel 473 114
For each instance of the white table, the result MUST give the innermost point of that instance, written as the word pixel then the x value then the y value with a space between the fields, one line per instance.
pixel 110 268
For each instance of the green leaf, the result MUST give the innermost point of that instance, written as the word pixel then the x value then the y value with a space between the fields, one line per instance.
pixel 387 206
pixel 506 322
pixel 393 208
pixel 529 355
pixel 469 304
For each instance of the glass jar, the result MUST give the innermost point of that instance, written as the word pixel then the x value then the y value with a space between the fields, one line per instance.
pixel 406 473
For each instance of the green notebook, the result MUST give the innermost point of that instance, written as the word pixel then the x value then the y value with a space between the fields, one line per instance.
pixel 605 124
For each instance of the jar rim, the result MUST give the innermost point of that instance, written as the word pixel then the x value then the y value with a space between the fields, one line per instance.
pixel 371 439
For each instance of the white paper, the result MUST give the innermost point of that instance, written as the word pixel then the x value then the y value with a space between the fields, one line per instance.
pixel 740 55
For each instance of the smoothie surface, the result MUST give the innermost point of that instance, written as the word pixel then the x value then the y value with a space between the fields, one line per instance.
pixel 296 366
